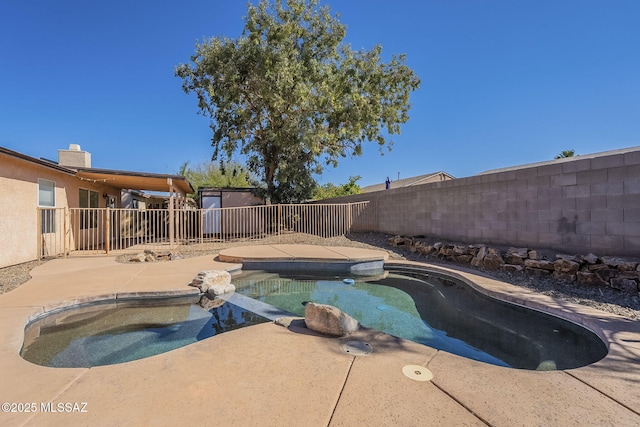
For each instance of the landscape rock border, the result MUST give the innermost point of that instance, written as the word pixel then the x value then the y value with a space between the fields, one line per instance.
pixel 585 270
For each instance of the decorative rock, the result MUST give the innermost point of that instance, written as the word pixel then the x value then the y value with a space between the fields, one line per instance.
pixel 459 250
pixel 566 266
pixel 329 320
pixel 424 249
pixel 542 264
pixel 513 268
pixel 618 263
pixel 473 250
pixel 569 277
pixel 138 258
pixel 572 258
pixel 519 252
pixel 215 290
pixel 590 279
pixel 446 250
pixel 538 271
pixel 514 259
pixel 464 259
pixel 494 251
pixel 627 285
pixel 209 303
pixel 627 266
pixel 591 258
pixel 400 241
pixel 628 275
pixel 587 269
pixel 606 274
pixel 492 261
pixel 219 279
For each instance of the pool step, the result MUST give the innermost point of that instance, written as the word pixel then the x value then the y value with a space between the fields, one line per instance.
pixel 258 307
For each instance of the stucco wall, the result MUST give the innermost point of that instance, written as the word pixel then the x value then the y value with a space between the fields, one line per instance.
pixel 19 202
pixel 576 205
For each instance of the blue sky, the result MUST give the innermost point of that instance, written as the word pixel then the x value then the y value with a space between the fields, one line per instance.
pixel 504 82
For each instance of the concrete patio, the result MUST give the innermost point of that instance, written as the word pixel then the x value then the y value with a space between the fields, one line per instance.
pixel 269 375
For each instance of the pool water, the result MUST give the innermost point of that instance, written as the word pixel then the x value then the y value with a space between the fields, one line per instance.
pixel 436 311
pixel 107 334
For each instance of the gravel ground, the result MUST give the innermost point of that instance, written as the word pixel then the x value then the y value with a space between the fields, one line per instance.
pixel 602 298
pixel 16 275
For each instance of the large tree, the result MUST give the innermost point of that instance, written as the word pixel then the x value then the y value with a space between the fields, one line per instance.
pixel 223 175
pixel 292 97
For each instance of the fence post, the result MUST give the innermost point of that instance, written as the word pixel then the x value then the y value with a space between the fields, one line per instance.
pixel 107 230
pixel 278 220
pixel 64 232
pixel 39 229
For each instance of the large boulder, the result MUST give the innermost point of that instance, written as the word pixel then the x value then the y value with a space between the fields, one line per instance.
pixel 213 282
pixel 329 320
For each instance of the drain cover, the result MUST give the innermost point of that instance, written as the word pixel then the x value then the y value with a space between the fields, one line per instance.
pixel 417 372
pixel 357 348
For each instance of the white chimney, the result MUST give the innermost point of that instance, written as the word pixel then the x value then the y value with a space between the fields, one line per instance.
pixel 74 157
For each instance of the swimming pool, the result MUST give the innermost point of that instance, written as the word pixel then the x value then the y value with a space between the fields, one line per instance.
pixel 116 332
pixel 436 310
pixel 422 306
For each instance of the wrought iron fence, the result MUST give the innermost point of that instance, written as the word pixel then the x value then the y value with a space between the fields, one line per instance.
pixel 114 231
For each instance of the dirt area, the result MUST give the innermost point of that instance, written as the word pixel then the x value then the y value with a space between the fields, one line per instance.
pixel 603 298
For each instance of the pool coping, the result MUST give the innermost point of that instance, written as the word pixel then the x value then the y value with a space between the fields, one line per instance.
pixel 329 384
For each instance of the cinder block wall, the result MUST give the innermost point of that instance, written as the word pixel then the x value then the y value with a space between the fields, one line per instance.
pixel 575 205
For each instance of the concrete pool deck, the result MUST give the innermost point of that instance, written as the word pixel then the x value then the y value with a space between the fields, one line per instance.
pixel 269 375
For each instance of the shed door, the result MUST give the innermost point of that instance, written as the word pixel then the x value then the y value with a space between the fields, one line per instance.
pixel 211 205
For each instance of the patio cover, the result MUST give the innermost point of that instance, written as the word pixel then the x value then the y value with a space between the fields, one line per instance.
pixel 137 180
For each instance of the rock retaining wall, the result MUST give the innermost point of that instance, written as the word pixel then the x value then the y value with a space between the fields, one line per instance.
pixel 587 270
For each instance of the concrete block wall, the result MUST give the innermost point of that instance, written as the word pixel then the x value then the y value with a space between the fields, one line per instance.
pixel 574 205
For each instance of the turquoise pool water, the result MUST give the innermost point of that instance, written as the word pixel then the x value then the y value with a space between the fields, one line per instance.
pixel 107 334
pixel 436 311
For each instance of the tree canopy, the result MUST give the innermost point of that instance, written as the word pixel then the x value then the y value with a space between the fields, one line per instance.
pixel 222 175
pixel 292 97
pixel 330 190
pixel 565 153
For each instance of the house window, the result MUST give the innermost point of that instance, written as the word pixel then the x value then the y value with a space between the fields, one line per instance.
pixel 47 199
pixel 88 199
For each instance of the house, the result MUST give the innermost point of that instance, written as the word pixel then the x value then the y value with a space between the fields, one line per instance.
pixel 407 182
pixel 37 196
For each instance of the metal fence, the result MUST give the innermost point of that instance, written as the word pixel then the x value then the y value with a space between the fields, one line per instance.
pixel 113 231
